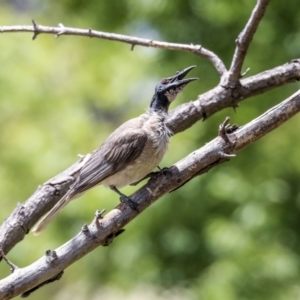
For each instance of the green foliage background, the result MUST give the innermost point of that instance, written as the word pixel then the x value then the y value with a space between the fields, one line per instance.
pixel 230 234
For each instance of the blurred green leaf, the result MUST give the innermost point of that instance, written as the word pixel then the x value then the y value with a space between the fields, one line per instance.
pixel 230 234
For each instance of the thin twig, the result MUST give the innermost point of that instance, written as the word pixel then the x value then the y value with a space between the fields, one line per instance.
pixel 13 267
pixel 133 41
pixel 35 30
pixel 242 44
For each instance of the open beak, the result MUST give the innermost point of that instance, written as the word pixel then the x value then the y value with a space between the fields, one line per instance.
pixel 178 79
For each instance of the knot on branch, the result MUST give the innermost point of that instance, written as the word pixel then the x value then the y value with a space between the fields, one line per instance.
pixel 225 129
pixel 85 229
pixel 62 30
pixel 99 213
pixel 50 256
pixel 35 30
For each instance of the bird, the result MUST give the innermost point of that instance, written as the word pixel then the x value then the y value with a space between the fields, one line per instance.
pixel 130 153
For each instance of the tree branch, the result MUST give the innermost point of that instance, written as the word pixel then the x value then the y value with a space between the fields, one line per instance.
pixel 13 267
pixel 102 230
pixel 218 98
pixel 37 29
pixel 22 219
pixel 242 44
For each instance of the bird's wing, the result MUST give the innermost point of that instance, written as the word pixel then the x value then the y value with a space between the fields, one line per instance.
pixel 121 148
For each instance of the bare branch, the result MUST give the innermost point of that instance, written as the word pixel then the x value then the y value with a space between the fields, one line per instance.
pixel 133 41
pixel 18 224
pixel 105 229
pixel 35 30
pixel 22 219
pixel 242 44
pixel 267 122
pixel 29 292
pixel 13 267
pixel 219 97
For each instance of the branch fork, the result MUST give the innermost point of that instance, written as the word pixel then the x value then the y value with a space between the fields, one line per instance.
pixel 103 229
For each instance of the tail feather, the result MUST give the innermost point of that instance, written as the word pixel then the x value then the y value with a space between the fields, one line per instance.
pixel 46 219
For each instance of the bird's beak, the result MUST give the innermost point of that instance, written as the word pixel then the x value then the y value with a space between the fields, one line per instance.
pixel 178 79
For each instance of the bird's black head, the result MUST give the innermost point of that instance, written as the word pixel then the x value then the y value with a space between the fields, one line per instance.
pixel 168 89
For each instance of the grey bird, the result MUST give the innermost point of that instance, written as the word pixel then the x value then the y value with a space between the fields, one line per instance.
pixel 130 153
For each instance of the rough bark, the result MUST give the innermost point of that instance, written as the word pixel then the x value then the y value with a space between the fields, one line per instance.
pixel 228 93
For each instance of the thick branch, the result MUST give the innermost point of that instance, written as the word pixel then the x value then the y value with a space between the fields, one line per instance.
pixel 18 224
pixel 242 44
pixel 207 104
pixel 102 230
pixel 62 30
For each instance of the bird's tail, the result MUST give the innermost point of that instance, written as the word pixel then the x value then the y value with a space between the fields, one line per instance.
pixel 46 219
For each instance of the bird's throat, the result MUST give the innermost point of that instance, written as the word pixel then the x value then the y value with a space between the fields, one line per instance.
pixel 159 103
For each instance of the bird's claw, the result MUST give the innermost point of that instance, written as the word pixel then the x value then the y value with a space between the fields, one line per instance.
pixel 165 171
pixel 127 200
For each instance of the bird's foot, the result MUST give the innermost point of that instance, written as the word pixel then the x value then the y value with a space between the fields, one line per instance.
pixel 166 171
pixel 150 175
pixel 137 182
pixel 125 199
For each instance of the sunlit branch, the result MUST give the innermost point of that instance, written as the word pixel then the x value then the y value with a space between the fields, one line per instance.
pixel 21 220
pixel 218 98
pixel 242 43
pixel 103 230
pixel 37 29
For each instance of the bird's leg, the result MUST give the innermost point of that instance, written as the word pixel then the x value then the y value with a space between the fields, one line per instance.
pixel 137 182
pixel 149 175
pixel 125 199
